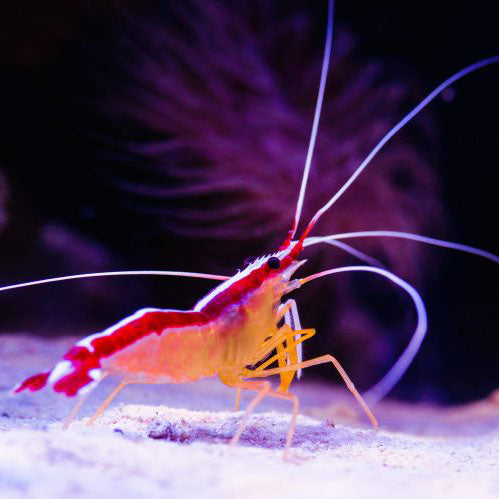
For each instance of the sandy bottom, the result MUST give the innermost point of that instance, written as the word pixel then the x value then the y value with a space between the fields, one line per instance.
pixel 171 441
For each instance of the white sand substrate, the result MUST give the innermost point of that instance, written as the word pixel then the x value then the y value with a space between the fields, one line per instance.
pixel 170 441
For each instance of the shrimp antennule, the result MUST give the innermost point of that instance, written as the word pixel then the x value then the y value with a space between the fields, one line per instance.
pixel 315 126
pixel 406 119
pixel 404 235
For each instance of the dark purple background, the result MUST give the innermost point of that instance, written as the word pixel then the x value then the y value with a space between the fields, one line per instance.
pixel 60 176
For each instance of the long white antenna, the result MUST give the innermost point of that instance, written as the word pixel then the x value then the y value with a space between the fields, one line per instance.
pixel 457 76
pixel 317 115
pixel 404 235
pixel 374 262
pixel 117 273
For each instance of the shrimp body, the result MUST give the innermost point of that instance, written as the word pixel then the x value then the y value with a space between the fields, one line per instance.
pixel 220 336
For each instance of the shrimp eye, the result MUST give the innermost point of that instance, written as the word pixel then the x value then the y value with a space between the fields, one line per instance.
pixel 249 261
pixel 273 262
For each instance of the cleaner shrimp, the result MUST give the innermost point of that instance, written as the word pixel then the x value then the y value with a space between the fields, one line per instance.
pixel 243 326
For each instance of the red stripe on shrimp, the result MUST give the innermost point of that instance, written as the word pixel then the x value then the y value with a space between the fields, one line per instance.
pixel 81 366
pixel 236 289
pixel 133 328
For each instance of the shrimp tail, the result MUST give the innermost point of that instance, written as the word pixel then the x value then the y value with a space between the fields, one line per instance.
pixel 76 374
pixel 33 383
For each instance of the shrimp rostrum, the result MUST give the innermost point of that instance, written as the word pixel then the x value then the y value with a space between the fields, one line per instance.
pixel 246 329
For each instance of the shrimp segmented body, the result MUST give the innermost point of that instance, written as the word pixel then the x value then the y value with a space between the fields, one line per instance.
pixel 243 326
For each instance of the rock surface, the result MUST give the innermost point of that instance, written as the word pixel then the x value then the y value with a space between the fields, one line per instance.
pixel 171 441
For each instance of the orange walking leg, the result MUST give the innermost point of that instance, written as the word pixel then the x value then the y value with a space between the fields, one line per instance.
pixel 292 338
pixel 106 402
pixel 313 362
pixel 78 405
pixel 262 387
pixel 238 399
pixel 264 390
